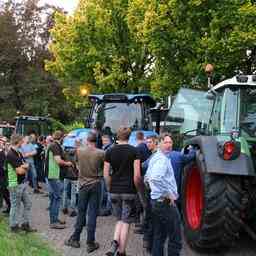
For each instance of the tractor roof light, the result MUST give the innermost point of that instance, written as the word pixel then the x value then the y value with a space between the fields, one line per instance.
pixel 242 79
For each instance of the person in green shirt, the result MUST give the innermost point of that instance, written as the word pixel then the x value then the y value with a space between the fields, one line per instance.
pixel 17 169
pixel 54 165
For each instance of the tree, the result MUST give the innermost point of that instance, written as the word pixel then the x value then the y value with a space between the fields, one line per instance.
pixel 185 35
pixel 95 46
pixel 24 39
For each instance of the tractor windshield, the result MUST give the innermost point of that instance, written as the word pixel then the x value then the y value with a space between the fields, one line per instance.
pixel 248 112
pixel 6 131
pixel 108 117
pixel 26 126
pixel 190 112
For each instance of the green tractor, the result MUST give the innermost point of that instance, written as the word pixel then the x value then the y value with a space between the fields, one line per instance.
pixel 219 188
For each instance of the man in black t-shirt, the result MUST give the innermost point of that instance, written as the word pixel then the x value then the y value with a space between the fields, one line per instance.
pixel 123 184
pixel 17 169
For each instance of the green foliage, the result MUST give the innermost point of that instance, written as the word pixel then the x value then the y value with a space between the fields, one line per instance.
pixel 21 244
pixel 57 125
pixel 73 126
pixel 25 85
pixel 185 35
pixel 95 46
pixel 152 45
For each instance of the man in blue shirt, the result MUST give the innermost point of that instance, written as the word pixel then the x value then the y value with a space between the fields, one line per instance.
pixel 178 161
pixel 166 219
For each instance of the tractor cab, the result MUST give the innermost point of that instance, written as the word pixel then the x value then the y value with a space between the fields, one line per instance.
pixel 6 130
pixel 234 107
pixel 110 111
pixel 36 124
pixel 234 113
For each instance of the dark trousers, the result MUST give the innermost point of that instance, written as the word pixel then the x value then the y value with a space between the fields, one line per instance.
pixel 4 193
pixel 166 223
pixel 55 195
pixel 88 196
pixel 148 219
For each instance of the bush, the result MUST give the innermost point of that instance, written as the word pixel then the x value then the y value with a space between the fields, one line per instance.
pixel 73 126
pixel 57 125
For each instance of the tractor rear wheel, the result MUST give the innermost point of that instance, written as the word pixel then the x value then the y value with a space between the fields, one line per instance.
pixel 211 204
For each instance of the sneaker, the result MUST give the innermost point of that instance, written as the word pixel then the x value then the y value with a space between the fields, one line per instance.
pixel 6 211
pixel 147 245
pixel 37 191
pixel 138 231
pixel 15 229
pixel 57 226
pixel 62 222
pixel 121 254
pixel 73 213
pixel 72 243
pixel 27 228
pixel 92 246
pixel 113 249
pixel 65 211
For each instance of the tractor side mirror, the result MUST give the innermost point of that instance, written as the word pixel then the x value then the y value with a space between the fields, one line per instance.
pixel 210 95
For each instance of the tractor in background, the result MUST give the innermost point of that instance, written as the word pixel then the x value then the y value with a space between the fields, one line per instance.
pixel 26 124
pixel 111 111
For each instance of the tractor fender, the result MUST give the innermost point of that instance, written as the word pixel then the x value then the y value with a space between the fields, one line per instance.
pixel 208 145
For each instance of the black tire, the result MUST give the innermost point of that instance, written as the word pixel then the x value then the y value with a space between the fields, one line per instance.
pixel 216 228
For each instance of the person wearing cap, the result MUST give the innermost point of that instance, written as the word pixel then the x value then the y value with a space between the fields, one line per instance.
pixel 53 166
pixel 17 169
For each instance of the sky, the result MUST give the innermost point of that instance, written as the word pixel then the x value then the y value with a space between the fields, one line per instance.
pixel 67 5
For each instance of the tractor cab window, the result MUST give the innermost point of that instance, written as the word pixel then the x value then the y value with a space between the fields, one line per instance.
pixel 225 112
pixel 6 131
pixel 25 127
pixel 108 117
pixel 229 114
pixel 189 113
pixel 248 112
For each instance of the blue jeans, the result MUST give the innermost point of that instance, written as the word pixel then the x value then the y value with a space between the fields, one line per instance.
pixel 105 199
pixel 32 175
pixel 88 196
pixel 19 194
pixel 166 223
pixel 69 203
pixel 55 194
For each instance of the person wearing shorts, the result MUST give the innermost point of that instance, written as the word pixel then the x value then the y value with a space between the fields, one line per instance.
pixel 123 183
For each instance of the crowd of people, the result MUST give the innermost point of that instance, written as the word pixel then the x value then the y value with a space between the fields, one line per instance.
pixel 136 184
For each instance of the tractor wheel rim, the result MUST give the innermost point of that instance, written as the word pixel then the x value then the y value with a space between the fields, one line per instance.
pixel 194 198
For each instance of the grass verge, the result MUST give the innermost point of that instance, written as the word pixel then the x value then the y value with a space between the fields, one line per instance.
pixel 22 244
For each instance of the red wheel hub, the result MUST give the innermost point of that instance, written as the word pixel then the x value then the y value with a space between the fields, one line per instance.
pixel 194 198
